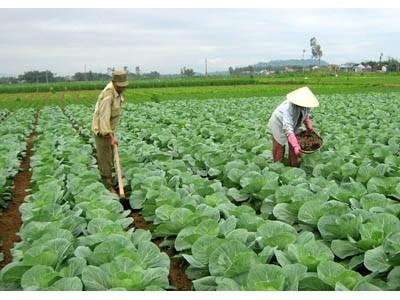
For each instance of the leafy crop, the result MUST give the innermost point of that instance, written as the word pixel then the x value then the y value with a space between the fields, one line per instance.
pixel 75 232
pixel 13 134
pixel 202 174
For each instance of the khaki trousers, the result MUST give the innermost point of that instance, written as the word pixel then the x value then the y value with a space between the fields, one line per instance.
pixel 105 155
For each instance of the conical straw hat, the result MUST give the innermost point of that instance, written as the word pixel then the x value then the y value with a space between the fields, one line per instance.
pixel 303 97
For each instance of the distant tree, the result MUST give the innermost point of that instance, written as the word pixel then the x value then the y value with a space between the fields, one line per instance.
pixel 380 59
pixel 78 76
pixel 154 74
pixel 371 63
pixel 91 76
pixel 37 77
pixel 244 70
pixel 8 80
pixel 151 75
pixel 110 70
pixel 251 69
pixel 392 65
pixel 126 69
pixel 316 50
pixel 187 72
pixel 137 71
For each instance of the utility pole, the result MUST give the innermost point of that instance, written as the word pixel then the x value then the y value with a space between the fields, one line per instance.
pixel 84 72
pixel 206 67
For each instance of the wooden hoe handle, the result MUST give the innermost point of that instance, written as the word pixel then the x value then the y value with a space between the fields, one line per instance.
pixel 119 172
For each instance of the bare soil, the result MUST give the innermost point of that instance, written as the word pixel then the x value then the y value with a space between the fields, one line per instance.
pixel 309 140
pixel 139 221
pixel 177 276
pixel 10 219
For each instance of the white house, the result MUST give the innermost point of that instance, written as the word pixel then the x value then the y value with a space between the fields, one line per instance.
pixel 266 72
pixel 347 67
pixel 359 68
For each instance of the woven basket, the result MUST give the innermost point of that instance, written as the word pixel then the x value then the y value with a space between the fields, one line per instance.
pixel 304 135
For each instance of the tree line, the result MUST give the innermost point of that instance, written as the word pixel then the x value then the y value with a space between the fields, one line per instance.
pixel 50 77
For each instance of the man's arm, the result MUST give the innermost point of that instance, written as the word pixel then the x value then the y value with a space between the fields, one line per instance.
pixel 104 111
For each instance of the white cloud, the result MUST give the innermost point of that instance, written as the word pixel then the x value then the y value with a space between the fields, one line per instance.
pixel 64 40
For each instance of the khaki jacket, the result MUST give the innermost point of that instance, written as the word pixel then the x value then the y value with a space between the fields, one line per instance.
pixel 107 111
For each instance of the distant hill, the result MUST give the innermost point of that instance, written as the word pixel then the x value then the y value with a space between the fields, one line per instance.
pixel 215 73
pixel 290 63
pixel 218 73
pixel 6 75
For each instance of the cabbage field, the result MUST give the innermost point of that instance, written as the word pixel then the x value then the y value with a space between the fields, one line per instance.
pixel 208 210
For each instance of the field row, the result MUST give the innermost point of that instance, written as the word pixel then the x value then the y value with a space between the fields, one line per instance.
pixel 98 85
pixel 75 233
pixel 312 78
pixel 38 96
pixel 14 130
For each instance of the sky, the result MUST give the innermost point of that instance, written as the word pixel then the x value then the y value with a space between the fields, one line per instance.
pixel 165 40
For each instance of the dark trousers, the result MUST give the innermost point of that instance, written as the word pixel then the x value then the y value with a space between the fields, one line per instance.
pixel 278 152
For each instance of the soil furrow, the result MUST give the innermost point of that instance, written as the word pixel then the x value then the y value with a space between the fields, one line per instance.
pixel 177 276
pixel 10 219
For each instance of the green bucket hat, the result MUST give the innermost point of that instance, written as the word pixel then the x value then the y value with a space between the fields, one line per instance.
pixel 120 78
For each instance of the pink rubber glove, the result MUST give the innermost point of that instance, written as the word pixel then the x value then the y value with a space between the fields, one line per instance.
pixel 308 123
pixel 294 143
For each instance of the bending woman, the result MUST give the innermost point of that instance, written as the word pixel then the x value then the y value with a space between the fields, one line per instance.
pixel 286 119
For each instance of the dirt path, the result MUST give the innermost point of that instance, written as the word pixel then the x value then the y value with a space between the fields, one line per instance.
pixel 139 221
pixel 177 276
pixel 10 219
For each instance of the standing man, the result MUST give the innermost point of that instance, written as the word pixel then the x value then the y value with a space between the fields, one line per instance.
pixel 286 119
pixel 105 120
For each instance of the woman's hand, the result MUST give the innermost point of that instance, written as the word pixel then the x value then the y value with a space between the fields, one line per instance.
pixel 308 123
pixel 295 144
